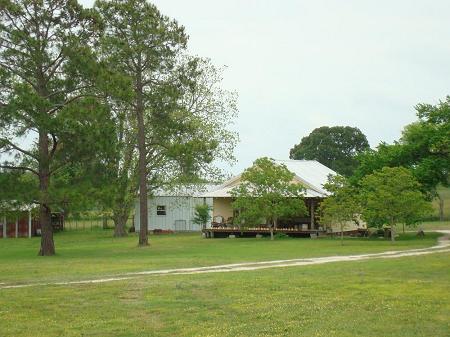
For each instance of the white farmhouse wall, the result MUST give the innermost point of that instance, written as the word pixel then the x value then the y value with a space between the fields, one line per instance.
pixel 180 212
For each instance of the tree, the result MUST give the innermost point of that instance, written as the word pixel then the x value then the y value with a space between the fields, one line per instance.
pixel 391 196
pixel 177 111
pixel 424 148
pixel 143 44
pixel 267 191
pixel 391 155
pixel 428 145
pixel 202 216
pixel 343 205
pixel 335 147
pixel 48 76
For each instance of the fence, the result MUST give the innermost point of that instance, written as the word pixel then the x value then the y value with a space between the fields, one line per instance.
pixel 82 223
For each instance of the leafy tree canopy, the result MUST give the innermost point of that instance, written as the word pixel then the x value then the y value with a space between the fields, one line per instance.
pixel 335 147
pixel 392 196
pixel 424 148
pixel 343 205
pixel 49 80
pixel 267 191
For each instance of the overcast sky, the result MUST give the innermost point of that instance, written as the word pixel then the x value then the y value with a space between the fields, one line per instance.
pixel 299 64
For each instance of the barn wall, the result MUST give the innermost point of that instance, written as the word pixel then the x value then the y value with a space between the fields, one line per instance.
pixel 179 213
pixel 9 228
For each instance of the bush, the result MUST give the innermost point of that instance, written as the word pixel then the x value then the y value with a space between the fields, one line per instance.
pixel 281 236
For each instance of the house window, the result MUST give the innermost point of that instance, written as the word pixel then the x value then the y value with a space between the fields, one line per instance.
pixel 161 210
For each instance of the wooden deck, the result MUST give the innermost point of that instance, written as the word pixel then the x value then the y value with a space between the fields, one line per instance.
pixel 252 232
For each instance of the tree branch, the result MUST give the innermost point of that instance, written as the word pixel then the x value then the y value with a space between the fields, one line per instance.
pixel 18 74
pixel 70 100
pixel 54 145
pixel 15 147
pixel 20 168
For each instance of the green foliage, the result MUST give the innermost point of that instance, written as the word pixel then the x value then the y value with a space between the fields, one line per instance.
pixel 335 147
pixel 267 192
pixel 51 115
pixel 343 205
pixel 428 144
pixel 185 113
pixel 281 236
pixel 202 214
pixel 424 148
pixel 392 196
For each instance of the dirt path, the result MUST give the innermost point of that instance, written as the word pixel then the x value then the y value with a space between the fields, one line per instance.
pixel 442 246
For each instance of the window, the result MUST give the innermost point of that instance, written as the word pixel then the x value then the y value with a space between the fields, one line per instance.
pixel 160 210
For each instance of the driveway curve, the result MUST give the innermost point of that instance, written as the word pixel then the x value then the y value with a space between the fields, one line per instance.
pixel 442 246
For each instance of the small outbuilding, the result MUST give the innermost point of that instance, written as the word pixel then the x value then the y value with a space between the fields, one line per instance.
pixel 174 210
pixel 19 221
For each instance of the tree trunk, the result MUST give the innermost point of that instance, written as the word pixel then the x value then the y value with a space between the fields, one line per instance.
pixel 105 222
pixel 342 234
pixel 120 222
pixel 121 211
pixel 392 231
pixel 47 244
pixel 441 207
pixel 274 226
pixel 143 214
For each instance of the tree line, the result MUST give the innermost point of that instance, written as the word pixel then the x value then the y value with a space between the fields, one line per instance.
pixel 101 105
pixel 390 184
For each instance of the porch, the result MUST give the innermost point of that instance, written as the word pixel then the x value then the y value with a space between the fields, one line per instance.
pixel 261 231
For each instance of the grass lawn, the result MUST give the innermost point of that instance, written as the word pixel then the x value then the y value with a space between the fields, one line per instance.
pixel 394 297
pixel 88 254
pixel 433 225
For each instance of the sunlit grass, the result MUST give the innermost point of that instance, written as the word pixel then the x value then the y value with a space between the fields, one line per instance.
pixel 88 254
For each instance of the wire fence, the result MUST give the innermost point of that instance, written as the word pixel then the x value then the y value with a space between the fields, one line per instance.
pixel 81 223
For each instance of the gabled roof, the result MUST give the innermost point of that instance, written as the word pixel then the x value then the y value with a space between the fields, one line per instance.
pixel 312 174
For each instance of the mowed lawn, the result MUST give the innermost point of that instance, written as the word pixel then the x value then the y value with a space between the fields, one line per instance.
pixel 92 254
pixel 402 297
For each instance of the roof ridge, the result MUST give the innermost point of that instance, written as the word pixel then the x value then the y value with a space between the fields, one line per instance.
pixel 296 160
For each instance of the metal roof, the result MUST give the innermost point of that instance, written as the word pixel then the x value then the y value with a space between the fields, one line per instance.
pixel 312 174
pixel 193 190
pixel 14 206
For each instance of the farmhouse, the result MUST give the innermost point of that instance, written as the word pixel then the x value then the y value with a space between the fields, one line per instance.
pixel 174 209
pixel 309 173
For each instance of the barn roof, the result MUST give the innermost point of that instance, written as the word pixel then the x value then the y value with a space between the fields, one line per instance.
pixel 15 206
pixel 312 174
pixel 192 190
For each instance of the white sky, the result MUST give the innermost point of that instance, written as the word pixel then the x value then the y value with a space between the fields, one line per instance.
pixel 299 64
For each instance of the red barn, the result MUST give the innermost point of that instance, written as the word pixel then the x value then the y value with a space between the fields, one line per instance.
pixel 19 222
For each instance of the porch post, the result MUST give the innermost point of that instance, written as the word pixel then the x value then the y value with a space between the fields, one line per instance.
pixel 29 223
pixel 4 227
pixel 311 210
pixel 17 227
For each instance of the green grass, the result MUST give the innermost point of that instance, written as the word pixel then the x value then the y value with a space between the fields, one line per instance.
pixel 402 297
pixel 396 297
pixel 88 254
pixel 435 225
